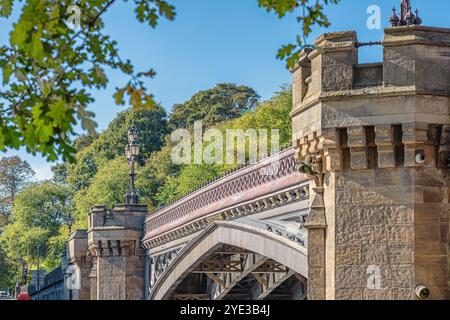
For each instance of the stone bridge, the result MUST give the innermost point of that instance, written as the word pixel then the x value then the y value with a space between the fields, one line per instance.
pixel 241 236
pixel 358 208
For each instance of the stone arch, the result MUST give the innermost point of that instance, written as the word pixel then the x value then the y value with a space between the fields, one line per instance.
pixel 257 240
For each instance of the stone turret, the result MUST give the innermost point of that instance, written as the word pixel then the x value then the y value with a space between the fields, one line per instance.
pixel 375 140
pixel 114 242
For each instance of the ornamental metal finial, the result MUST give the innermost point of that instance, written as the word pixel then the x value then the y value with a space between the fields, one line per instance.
pixel 407 16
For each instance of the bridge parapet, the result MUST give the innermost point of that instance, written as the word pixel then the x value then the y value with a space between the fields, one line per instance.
pixel 266 184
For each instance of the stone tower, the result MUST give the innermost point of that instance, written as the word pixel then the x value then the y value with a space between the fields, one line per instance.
pixel 114 242
pixel 375 140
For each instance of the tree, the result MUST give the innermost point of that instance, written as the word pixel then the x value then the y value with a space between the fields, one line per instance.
pixel 7 270
pixel 152 127
pixel 60 173
pixel 110 185
pixel 40 212
pixel 271 114
pixel 14 175
pixel 223 102
pixel 58 51
pixel 110 144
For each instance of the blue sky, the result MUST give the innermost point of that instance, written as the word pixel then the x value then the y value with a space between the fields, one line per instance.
pixel 214 41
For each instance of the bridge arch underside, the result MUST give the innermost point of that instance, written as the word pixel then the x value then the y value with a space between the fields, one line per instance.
pixel 230 261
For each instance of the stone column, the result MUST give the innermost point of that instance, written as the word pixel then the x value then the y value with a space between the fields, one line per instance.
pixel 118 258
pixel 77 284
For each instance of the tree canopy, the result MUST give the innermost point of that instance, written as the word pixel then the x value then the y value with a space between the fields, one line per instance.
pixel 40 213
pixel 271 114
pixel 223 102
pixel 101 176
pixel 108 145
pixel 14 175
pixel 58 52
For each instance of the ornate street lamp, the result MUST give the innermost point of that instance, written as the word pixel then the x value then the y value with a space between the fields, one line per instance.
pixel 38 249
pixel 131 152
pixel 69 221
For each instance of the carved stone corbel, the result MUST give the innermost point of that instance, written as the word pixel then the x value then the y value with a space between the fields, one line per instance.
pixel 312 166
pixel 311 163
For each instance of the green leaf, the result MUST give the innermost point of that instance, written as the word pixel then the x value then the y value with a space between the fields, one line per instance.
pixel 37 49
pixel 7 71
pixel 5 8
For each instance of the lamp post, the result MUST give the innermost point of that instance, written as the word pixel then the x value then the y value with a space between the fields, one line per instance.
pixel 38 247
pixel 131 152
pixel 69 221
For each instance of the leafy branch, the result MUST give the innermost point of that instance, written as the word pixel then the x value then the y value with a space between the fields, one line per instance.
pixel 312 14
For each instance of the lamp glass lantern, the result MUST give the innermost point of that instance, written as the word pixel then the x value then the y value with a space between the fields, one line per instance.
pixel 134 148
pixel 132 134
pixel 128 152
pixel 69 221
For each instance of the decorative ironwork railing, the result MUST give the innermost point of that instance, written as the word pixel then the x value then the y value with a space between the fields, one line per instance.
pixel 267 176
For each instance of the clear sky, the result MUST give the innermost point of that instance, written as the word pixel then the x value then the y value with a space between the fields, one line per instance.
pixel 214 41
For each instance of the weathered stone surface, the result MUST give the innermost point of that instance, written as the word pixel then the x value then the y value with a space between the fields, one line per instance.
pixel 388 206
pixel 378 294
pixel 114 240
pixel 348 255
pixel 349 294
pixel 351 277
pixel 400 253
pixel 375 254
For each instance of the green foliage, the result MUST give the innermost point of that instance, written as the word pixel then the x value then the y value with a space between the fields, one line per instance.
pixel 312 14
pixel 110 184
pixel 84 141
pixel 108 187
pixel 223 102
pixel 7 270
pixel 110 144
pixel 14 175
pixel 39 214
pixel 46 60
pixel 60 173
pixel 271 114
pixel 152 127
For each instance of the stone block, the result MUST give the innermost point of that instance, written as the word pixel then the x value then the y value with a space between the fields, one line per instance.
pixel 348 234
pixel 438 275
pixel 316 277
pixel 433 194
pixel 350 277
pixel 316 256
pixel 316 293
pixel 349 294
pixel 375 254
pixel 402 294
pixel 427 232
pixel 391 177
pixel 316 237
pixel 400 233
pixel 355 179
pixel 398 276
pixel 377 294
pixel 348 255
pixel 400 253
pixel 400 214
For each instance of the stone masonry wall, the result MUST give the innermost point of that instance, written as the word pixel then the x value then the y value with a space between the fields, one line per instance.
pixel 378 153
pixel 395 220
pixel 112 278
